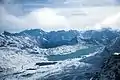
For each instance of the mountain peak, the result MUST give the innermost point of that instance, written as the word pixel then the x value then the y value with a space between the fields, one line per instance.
pixel 7 33
pixel 32 32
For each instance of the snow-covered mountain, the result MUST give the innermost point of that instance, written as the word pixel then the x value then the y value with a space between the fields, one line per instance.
pixel 49 39
pixel 42 39
pixel 104 36
pixel 36 54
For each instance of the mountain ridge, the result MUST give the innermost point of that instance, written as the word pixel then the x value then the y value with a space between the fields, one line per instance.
pixel 26 45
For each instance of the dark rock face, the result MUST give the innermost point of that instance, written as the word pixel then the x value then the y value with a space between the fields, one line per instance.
pixel 45 63
pixel 115 46
pixel 110 70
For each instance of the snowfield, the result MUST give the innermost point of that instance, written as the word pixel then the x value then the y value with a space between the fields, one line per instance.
pixel 19 64
pixel 12 60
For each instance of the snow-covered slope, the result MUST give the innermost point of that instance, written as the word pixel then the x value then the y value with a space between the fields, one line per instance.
pixel 24 55
pixel 20 52
pixel 50 39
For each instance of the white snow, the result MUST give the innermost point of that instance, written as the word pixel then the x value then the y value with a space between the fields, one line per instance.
pixel 13 60
pixel 116 53
pixel 55 69
pixel 17 57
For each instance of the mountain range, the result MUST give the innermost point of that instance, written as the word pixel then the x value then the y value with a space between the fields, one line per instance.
pixel 74 55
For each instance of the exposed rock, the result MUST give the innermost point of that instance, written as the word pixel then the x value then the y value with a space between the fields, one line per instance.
pixel 110 70
pixel 45 63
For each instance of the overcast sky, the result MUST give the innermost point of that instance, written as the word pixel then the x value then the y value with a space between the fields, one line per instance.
pixel 49 15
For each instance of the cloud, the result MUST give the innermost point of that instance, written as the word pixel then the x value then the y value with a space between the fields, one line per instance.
pixel 83 3
pixel 60 18
pixel 112 21
pixel 91 16
pixel 49 18
pixel 44 18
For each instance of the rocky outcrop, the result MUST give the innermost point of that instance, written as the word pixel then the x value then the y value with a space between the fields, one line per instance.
pixel 45 63
pixel 110 69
